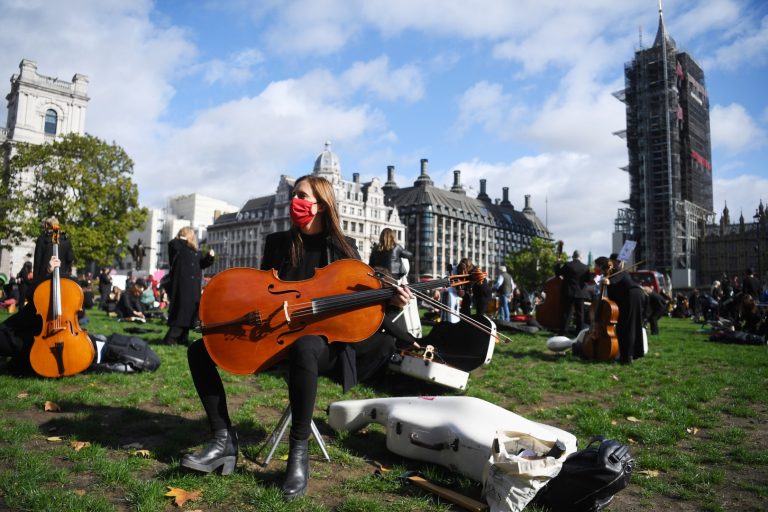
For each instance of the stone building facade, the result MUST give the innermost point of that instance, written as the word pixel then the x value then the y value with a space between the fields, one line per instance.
pixel 444 226
pixel 728 248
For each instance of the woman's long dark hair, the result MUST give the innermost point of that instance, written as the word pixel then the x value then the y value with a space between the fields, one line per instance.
pixel 323 192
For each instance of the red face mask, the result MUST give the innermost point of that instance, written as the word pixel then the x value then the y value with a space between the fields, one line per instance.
pixel 301 211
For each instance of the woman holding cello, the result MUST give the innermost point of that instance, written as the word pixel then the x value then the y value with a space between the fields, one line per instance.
pixel 629 297
pixel 314 240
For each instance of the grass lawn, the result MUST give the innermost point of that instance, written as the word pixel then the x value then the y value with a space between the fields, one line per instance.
pixel 694 413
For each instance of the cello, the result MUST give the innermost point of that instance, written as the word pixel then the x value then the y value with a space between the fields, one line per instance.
pixel 600 342
pixel 250 317
pixel 62 347
pixel 549 313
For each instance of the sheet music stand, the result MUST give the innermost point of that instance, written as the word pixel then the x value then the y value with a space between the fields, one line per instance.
pixel 277 435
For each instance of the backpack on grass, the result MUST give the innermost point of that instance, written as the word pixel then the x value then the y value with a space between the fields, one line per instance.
pixel 126 354
pixel 589 478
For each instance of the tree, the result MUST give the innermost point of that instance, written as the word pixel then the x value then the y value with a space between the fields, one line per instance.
pixel 533 266
pixel 85 182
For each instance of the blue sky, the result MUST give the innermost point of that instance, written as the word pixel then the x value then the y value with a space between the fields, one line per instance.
pixel 223 97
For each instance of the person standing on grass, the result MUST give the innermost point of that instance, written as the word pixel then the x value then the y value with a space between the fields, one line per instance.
pixel 187 264
pixel 504 288
pixel 573 293
pixel 629 297
pixel 314 240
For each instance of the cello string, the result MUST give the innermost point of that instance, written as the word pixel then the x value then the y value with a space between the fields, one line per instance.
pixel 334 302
pixel 445 308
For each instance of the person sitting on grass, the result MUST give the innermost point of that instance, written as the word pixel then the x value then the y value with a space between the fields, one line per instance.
pixel 129 307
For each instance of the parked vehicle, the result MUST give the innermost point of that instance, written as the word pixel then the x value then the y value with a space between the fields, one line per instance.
pixel 650 278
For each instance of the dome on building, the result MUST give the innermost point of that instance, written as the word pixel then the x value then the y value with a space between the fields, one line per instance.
pixel 327 164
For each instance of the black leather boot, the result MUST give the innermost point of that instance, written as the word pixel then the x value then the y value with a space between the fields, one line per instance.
pixel 297 471
pixel 221 452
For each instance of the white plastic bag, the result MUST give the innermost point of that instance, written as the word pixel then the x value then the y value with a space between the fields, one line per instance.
pixel 517 469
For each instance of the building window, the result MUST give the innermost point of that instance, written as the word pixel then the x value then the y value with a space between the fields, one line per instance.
pixel 50 122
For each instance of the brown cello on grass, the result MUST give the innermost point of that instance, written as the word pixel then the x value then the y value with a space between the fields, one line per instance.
pixel 250 317
pixel 549 313
pixel 601 343
pixel 62 347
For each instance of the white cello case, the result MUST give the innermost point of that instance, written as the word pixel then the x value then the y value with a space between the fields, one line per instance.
pixel 456 432
pixel 458 349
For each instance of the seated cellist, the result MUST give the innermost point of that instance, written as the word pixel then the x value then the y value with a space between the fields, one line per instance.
pixel 314 241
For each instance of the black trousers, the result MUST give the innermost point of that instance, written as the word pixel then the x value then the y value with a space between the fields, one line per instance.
pixel 17 334
pixel 309 357
pixel 571 305
pixel 176 334
pixel 629 329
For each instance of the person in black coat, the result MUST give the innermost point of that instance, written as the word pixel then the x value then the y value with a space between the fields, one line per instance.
pixel 629 297
pixel 187 264
pixel 105 286
pixel 314 241
pixel 655 307
pixel 25 279
pixel 129 306
pixel 751 285
pixel 482 295
pixel 573 293
pixel 389 254
pixel 44 252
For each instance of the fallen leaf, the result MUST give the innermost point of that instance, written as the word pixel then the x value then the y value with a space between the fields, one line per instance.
pixel 51 406
pixel 181 496
pixel 23 394
pixel 615 377
pixel 632 419
pixel 651 473
pixel 692 430
pixel 631 441
pixel 614 422
pixel 79 445
pixel 54 439
pixel 80 492
pixel 142 453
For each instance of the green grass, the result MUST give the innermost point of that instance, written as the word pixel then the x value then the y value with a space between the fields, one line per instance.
pixel 693 413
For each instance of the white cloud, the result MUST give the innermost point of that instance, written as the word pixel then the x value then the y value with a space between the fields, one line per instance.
pixel 750 47
pixel 239 149
pixel 486 104
pixel 575 193
pixel 742 194
pixel 376 76
pixel 734 130
pixel 130 62
pixel 703 17
pixel 237 69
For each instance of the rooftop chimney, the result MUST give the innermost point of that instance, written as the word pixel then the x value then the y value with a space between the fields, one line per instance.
pixel 483 196
pixel 424 179
pixel 528 208
pixel 457 188
pixel 391 184
pixel 356 177
pixel 505 197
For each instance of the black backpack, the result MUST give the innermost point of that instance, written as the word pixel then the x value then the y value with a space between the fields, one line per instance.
pixel 126 354
pixel 589 478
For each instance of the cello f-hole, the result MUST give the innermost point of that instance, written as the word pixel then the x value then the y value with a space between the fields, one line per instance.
pixel 271 289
